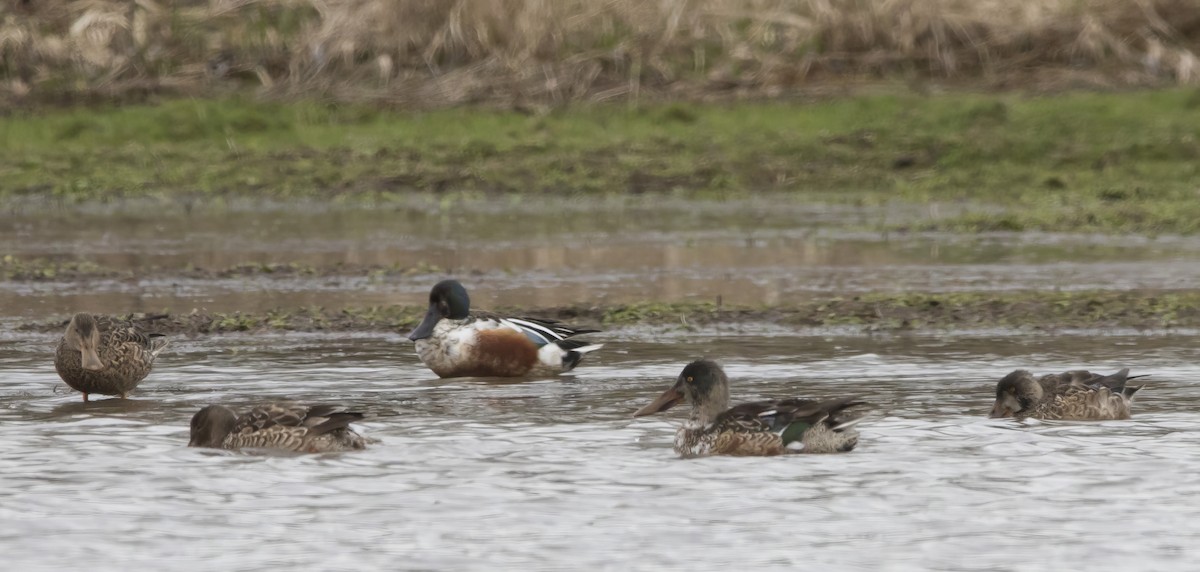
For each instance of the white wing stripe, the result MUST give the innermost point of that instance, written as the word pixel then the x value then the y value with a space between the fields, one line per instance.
pixel 544 332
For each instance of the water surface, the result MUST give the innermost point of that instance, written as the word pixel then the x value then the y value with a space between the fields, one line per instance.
pixel 554 474
pixel 545 253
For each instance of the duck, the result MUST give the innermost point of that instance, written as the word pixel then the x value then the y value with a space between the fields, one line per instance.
pixel 1077 395
pixel 278 426
pixel 455 341
pixel 759 428
pixel 105 355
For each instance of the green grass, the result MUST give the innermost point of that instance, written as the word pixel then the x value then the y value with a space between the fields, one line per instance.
pixel 1115 162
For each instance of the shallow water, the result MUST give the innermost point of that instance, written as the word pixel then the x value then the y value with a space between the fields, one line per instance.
pixel 538 254
pixel 554 474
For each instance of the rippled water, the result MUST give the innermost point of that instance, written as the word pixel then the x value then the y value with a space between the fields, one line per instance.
pixel 554 474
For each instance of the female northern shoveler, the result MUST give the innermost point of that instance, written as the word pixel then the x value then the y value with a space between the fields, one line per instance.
pixel 100 354
pixel 317 429
pixel 760 428
pixel 1075 396
pixel 456 342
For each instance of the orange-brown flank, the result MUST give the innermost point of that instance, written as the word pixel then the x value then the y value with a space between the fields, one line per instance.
pixel 499 353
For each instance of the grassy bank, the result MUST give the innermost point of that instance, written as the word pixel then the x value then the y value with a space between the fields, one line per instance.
pixel 1116 162
pixel 885 312
pixel 434 53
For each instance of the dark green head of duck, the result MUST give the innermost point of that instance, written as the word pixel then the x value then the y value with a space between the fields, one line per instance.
pixel 449 300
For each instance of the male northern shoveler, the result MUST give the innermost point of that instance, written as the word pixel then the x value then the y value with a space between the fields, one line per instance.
pixel 105 355
pixel 760 428
pixel 456 342
pixel 287 427
pixel 1077 395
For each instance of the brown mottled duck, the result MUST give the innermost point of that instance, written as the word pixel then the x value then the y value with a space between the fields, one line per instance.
pixel 105 355
pixel 1077 395
pixel 286 427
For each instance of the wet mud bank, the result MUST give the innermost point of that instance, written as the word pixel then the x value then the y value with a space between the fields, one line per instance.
pixel 1152 310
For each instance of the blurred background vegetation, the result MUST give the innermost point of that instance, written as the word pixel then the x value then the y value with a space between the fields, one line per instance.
pixel 434 53
pixel 922 102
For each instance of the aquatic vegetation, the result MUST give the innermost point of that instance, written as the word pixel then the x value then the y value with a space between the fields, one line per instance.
pixel 41 269
pixel 874 312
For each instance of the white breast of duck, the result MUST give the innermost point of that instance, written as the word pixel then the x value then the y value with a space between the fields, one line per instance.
pixel 694 440
pixel 450 345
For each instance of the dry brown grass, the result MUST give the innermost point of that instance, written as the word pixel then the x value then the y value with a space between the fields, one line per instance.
pixel 443 52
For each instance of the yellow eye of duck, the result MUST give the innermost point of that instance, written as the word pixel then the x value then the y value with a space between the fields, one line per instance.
pixel 689 379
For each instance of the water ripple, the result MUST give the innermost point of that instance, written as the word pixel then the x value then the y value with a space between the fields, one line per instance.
pixel 549 474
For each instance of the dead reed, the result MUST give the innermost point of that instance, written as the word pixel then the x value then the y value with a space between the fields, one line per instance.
pixel 446 52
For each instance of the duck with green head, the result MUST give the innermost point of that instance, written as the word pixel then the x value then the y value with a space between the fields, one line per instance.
pixel 455 341
pixel 105 355
pixel 1077 395
pixel 760 428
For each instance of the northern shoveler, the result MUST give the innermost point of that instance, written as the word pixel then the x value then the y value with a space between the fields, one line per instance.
pixel 105 355
pixel 453 341
pixel 760 428
pixel 1077 395
pixel 287 427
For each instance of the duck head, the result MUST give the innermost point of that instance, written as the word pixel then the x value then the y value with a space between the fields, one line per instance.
pixel 83 336
pixel 211 425
pixel 1016 393
pixel 703 384
pixel 448 299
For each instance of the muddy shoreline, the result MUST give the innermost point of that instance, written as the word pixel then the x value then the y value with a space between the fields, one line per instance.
pixel 1146 310
pixel 45 270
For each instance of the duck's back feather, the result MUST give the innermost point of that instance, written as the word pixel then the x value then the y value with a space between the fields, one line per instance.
pixel 1095 401
pixel 818 426
pixel 541 331
pixel 296 428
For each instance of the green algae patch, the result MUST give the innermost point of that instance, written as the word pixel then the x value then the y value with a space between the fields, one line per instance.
pixel 876 312
pixel 19 269
pixel 1086 162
